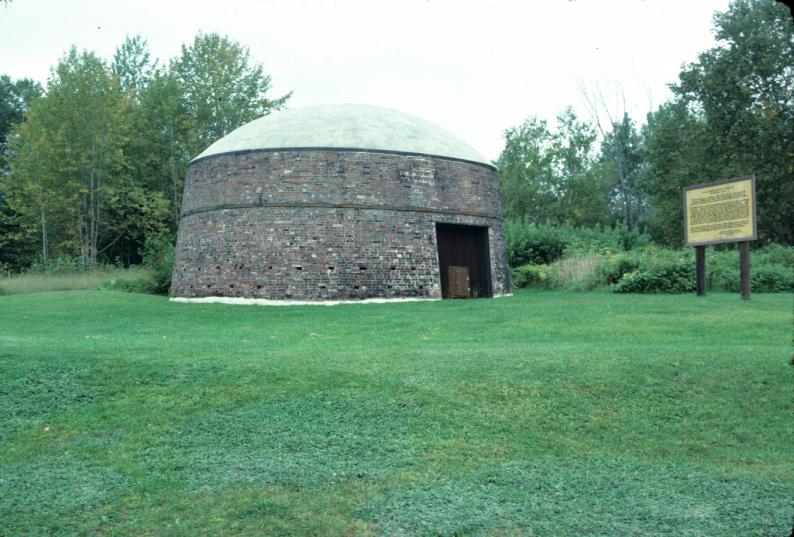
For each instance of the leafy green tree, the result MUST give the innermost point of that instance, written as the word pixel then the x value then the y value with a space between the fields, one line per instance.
pixel 552 176
pixel 99 163
pixel 622 154
pixel 221 88
pixel 36 206
pixel 132 65
pixel 674 138
pixel 160 158
pixel 15 97
pixel 68 156
pixel 737 105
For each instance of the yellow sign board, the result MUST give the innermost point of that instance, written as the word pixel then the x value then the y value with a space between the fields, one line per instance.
pixel 720 212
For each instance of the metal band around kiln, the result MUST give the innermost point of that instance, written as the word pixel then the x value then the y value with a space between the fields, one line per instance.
pixel 226 206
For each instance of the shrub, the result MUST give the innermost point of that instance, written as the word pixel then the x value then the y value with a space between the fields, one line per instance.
pixel 765 279
pixel 771 270
pixel 606 240
pixel 614 267
pixel 722 269
pixel 772 279
pixel 62 264
pixel 531 244
pixel 544 244
pixel 158 258
pixel 570 258
pixel 529 276
pixel 663 275
pixel 774 254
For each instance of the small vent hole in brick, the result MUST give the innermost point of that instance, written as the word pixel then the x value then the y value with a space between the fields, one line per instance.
pixel 322 287
pixel 298 268
pixel 413 268
pixel 259 287
pixel 421 287
pixel 218 267
pixel 362 268
pixel 332 268
pixel 269 268
pixel 355 287
pixel 209 286
pixel 393 268
pixel 231 286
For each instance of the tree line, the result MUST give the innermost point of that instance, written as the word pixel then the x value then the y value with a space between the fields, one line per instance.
pixel 94 163
pixel 732 114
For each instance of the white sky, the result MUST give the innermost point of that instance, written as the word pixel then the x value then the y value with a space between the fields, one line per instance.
pixel 473 67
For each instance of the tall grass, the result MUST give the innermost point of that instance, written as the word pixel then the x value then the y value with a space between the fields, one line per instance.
pixel 66 281
pixel 576 273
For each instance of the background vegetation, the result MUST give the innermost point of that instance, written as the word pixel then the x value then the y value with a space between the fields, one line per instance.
pixel 539 414
pixel 92 165
pixel 732 114
pixel 627 261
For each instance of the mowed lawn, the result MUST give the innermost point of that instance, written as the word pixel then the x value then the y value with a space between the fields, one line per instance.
pixel 539 414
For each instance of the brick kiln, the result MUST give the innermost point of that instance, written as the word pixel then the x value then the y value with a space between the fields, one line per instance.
pixel 340 202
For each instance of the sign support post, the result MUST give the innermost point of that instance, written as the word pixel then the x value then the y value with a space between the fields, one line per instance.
pixel 700 270
pixel 718 213
pixel 744 268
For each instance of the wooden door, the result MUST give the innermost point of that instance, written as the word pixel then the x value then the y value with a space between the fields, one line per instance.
pixel 458 278
pixel 464 247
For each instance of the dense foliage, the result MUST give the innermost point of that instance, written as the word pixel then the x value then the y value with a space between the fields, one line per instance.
pixel 95 164
pixel 627 262
pixel 732 115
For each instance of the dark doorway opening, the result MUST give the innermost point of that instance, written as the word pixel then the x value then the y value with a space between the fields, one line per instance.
pixel 464 261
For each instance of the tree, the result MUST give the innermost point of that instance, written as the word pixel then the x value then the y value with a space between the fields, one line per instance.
pixel 622 153
pixel 220 87
pixel 740 92
pixel 552 175
pixel 675 138
pixel 15 97
pixel 100 161
pixel 160 158
pixel 31 190
pixel 132 65
pixel 67 157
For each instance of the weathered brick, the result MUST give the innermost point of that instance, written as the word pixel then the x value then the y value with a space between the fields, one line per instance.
pixel 328 224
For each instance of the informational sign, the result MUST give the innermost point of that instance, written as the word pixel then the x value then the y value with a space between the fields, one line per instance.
pixel 720 212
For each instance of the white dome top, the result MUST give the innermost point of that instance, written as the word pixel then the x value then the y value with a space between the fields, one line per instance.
pixel 345 126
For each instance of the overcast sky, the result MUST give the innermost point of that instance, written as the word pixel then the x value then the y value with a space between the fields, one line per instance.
pixel 473 67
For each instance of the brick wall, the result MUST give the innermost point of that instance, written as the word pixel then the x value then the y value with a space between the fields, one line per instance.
pixel 328 225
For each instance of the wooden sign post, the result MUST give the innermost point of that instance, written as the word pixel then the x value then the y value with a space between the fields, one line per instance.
pixel 717 213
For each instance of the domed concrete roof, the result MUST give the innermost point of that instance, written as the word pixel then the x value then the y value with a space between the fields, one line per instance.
pixel 345 126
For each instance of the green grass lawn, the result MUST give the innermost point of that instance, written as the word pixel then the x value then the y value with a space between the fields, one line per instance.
pixel 540 414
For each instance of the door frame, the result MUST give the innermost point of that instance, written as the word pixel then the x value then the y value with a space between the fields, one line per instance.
pixel 481 235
